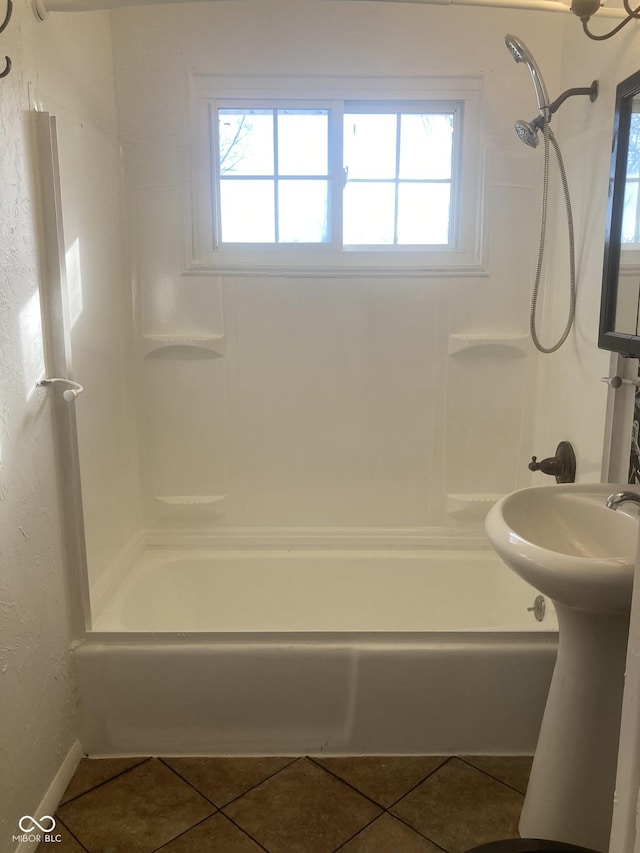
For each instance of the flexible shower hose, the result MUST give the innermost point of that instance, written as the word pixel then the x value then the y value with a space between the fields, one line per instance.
pixel 549 136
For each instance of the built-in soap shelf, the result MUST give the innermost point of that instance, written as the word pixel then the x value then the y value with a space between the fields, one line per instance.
pixel 191 506
pixel 471 502
pixel 461 343
pixel 199 346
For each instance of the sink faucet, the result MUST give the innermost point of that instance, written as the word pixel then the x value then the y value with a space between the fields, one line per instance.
pixel 619 498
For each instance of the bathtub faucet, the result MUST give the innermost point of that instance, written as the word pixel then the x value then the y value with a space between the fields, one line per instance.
pixel 619 498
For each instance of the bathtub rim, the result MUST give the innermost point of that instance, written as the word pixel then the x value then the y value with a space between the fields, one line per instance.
pixel 371 639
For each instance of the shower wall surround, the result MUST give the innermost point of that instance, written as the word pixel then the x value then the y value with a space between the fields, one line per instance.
pixel 335 403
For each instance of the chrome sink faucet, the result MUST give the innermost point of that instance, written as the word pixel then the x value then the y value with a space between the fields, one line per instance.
pixel 619 498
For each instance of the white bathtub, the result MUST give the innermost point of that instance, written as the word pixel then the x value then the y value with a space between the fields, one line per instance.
pixel 300 651
pixel 320 591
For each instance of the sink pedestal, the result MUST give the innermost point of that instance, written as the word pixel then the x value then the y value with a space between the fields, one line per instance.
pixel 571 788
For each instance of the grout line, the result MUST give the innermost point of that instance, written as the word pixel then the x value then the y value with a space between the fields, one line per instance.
pixel 204 820
pixel 188 829
pixel 75 838
pixel 262 781
pixel 386 809
pixel 105 782
pixel 418 832
pixel 233 799
pixel 355 834
pixel 191 785
pixel 345 782
pixel 244 831
pixel 491 776
pixel 446 760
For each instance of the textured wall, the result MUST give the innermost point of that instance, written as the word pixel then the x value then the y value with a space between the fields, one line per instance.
pixel 71 57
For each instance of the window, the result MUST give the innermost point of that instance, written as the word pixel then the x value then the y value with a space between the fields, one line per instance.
pixel 393 181
pixel 320 179
pixel 630 236
pixel 273 175
pixel 399 169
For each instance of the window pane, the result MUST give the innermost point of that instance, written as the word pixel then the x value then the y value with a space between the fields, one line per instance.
pixel 426 144
pixel 630 212
pixel 368 214
pixel 247 211
pixel 303 211
pixel 423 214
pixel 633 155
pixel 246 142
pixel 303 142
pixel 370 145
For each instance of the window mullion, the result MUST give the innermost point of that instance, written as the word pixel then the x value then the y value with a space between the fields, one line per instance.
pixel 397 182
pixel 336 172
pixel 216 208
pixel 276 182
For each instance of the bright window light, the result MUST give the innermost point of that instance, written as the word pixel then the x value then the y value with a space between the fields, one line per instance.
pixel 345 175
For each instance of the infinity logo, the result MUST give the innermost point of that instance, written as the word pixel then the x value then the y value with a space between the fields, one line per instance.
pixel 45 824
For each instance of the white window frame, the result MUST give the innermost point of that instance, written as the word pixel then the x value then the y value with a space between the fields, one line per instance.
pixel 204 255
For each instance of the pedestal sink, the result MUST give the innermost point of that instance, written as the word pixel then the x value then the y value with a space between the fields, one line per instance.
pixel 566 542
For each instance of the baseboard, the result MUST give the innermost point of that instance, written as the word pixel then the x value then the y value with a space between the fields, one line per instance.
pixel 58 786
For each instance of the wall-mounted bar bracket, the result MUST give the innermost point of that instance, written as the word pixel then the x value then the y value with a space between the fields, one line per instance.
pixel 73 389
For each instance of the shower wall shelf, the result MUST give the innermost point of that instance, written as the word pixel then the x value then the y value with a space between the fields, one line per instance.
pixel 191 505
pixel 461 343
pixel 206 346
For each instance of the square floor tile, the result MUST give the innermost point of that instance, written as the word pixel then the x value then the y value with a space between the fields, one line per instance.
pixel 223 779
pixel 94 771
pixel 388 835
pixel 214 835
pixel 302 809
pixel 513 770
pixel 384 779
pixel 458 807
pixel 136 812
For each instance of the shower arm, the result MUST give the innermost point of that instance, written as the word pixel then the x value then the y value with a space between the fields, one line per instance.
pixel 591 90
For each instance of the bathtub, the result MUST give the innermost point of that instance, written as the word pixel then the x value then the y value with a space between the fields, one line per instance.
pixel 315 651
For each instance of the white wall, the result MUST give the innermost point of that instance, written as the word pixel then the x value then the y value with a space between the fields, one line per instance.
pixel 71 58
pixel 337 403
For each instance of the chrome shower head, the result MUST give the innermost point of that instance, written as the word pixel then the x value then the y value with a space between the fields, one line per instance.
pixel 528 132
pixel 521 53
pixel 518 49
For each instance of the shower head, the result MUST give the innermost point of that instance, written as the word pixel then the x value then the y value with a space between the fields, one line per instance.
pixel 521 53
pixel 519 50
pixel 528 132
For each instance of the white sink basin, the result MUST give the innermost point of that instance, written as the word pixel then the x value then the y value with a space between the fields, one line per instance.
pixel 566 542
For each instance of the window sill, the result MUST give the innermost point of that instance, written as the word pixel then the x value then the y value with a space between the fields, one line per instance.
pixel 291 270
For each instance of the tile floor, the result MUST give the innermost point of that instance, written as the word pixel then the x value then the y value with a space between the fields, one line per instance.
pixel 290 805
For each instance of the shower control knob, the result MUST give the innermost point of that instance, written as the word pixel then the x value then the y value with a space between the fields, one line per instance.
pixel 562 466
